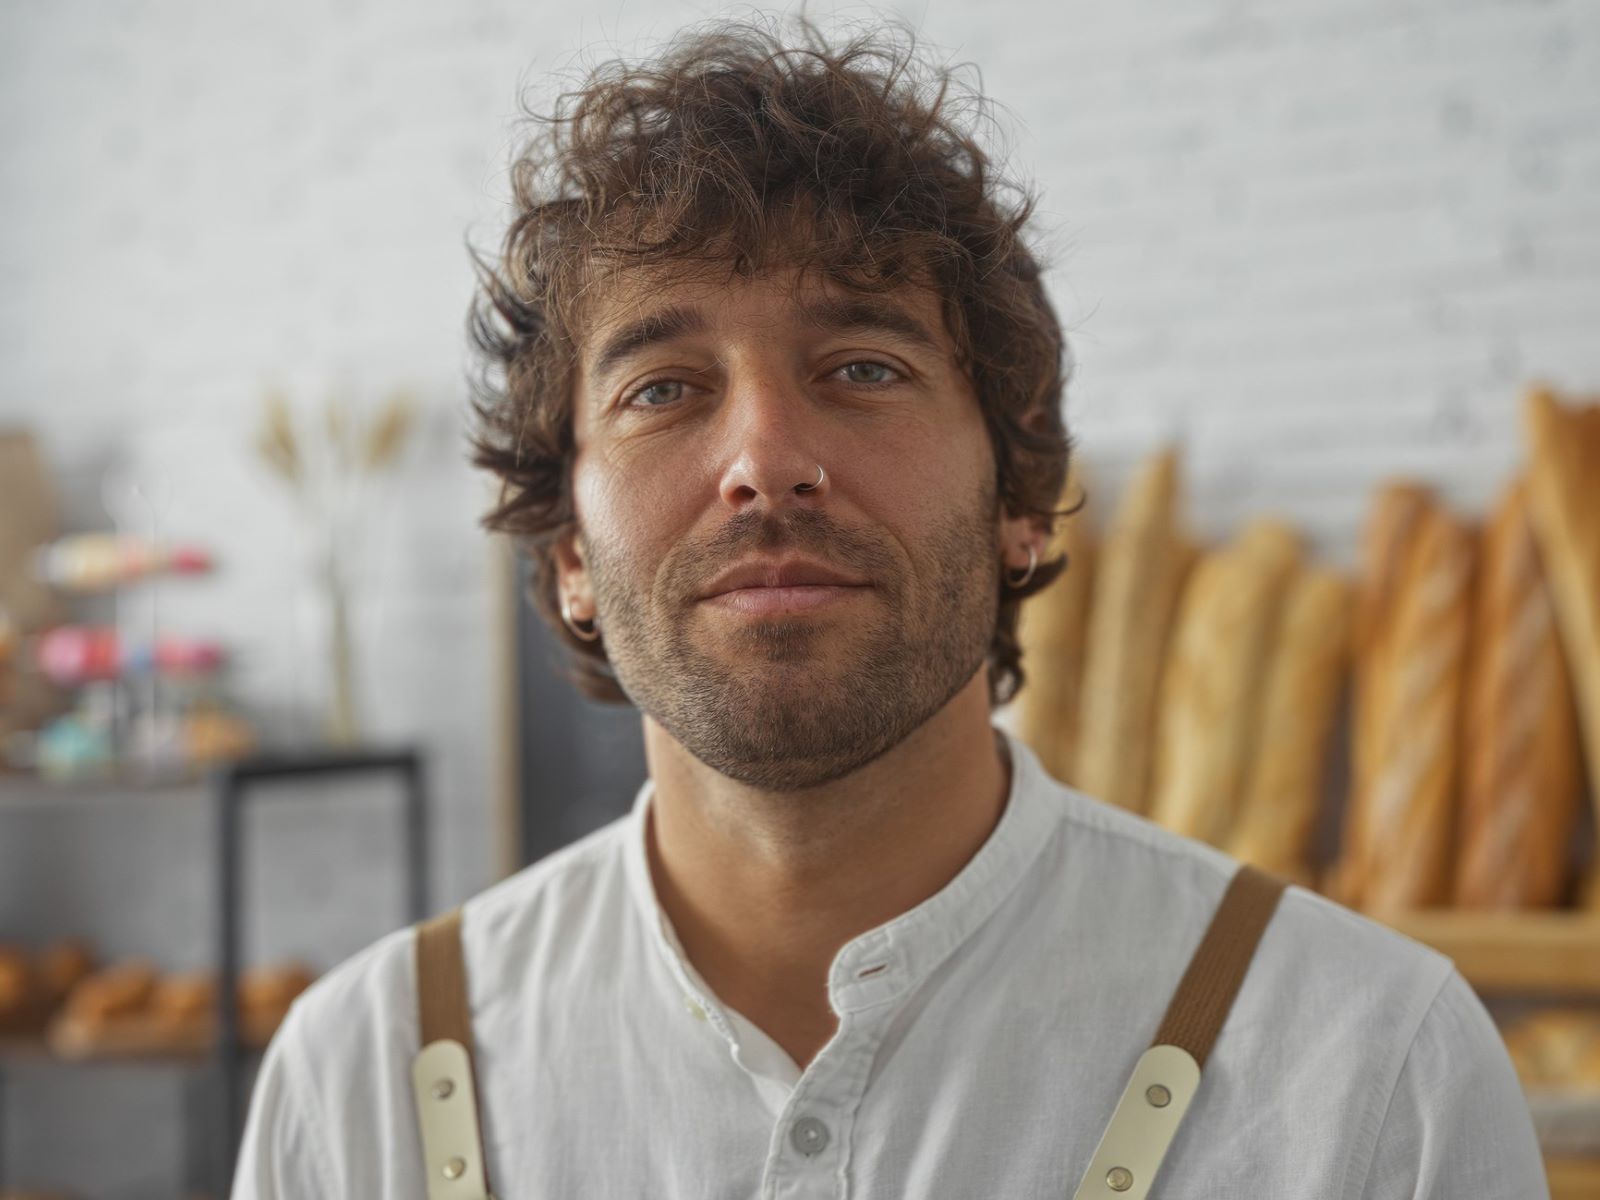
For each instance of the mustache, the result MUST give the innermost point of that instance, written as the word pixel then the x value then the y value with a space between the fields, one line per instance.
pixel 809 530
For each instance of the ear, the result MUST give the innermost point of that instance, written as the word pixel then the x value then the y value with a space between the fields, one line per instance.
pixel 572 577
pixel 1020 534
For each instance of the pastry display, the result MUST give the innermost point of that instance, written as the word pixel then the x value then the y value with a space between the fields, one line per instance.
pixel 130 1009
pixel 1209 691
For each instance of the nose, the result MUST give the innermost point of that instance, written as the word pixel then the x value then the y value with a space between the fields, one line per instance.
pixel 771 433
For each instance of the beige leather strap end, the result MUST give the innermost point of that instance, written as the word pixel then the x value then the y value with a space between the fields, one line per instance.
pixel 447 1115
pixel 1146 1120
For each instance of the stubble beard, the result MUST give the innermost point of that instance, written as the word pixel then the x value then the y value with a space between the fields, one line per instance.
pixel 793 702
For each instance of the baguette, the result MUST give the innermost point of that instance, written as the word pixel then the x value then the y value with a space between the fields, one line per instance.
pixel 1407 803
pixel 1300 703
pixel 1387 540
pixel 1142 567
pixel 1522 773
pixel 1564 506
pixel 1051 629
pixel 1211 690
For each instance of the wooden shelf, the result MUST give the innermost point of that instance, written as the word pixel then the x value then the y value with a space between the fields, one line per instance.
pixel 133 1041
pixel 1554 951
pixel 1573 1178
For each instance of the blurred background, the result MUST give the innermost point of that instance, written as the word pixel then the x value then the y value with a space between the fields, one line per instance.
pixel 1331 274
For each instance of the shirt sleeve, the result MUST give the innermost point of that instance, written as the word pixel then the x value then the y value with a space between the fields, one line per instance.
pixel 280 1155
pixel 1458 1123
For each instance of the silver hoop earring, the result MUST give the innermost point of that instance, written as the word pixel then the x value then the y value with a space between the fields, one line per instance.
pixel 591 634
pixel 1027 574
pixel 811 487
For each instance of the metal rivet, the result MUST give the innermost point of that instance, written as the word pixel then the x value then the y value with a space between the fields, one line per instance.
pixel 1119 1179
pixel 455 1168
pixel 1158 1095
pixel 442 1089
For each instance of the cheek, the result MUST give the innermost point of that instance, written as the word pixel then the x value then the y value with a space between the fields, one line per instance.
pixel 923 470
pixel 628 508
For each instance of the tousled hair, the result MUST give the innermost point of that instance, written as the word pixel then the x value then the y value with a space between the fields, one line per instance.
pixel 734 149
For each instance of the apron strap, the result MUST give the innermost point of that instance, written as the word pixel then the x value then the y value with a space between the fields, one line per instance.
pixel 1167 1075
pixel 442 1077
pixel 1201 1004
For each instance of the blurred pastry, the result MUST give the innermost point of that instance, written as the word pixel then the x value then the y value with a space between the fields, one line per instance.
pixel 112 992
pixel 1386 543
pixel 1211 689
pixel 1141 568
pixel 186 999
pixel 1521 795
pixel 62 966
pixel 1563 500
pixel 273 988
pixel 1405 802
pixel 16 987
pixel 1557 1047
pixel 1306 679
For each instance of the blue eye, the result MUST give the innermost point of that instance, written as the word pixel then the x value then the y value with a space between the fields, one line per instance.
pixel 868 372
pixel 671 387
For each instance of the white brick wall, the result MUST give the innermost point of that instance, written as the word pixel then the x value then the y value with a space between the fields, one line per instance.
pixel 1318 240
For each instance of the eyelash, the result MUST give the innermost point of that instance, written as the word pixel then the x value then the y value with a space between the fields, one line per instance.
pixel 898 375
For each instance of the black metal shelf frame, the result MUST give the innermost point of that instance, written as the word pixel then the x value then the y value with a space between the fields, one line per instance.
pixel 232 788
pixel 235 786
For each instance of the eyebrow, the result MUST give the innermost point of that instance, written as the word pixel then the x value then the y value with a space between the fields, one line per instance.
pixel 666 325
pixel 833 314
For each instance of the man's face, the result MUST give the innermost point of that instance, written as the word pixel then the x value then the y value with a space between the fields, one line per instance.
pixel 861 606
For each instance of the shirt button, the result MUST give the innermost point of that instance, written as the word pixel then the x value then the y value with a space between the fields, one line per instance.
pixel 694 1009
pixel 809 1136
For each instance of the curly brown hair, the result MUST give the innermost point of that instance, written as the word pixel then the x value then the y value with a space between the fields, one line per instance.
pixel 735 149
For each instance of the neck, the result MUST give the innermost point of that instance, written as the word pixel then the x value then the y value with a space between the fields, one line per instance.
pixel 764 888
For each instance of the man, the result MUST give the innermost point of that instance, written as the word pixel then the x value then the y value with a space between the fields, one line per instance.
pixel 778 421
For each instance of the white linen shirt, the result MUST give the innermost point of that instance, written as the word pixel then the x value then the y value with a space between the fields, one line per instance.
pixel 984 1039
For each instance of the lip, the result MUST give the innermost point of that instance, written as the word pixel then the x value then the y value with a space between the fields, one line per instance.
pixel 768 601
pixel 789 575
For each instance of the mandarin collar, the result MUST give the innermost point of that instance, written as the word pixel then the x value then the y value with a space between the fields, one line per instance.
pixel 884 963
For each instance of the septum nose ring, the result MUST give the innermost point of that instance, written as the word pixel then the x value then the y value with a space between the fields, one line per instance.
pixel 811 487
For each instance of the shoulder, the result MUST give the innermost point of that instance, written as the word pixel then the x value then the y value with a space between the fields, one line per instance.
pixel 1456 1122
pixel 342 1058
pixel 367 1003
pixel 1341 1019
pixel 1160 888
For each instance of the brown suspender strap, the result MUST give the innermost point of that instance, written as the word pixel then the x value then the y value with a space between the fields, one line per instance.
pixel 442 981
pixel 1206 992
pixel 1167 1075
pixel 443 1075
